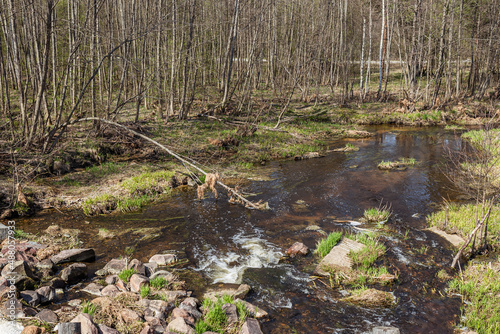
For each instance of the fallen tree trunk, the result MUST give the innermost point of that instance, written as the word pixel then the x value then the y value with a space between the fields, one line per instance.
pixel 175 155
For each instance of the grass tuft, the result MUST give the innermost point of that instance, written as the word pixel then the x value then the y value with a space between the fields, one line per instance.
pixel 126 274
pixel 324 246
pixel 89 308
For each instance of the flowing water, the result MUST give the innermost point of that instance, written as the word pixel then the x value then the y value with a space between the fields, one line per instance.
pixel 224 243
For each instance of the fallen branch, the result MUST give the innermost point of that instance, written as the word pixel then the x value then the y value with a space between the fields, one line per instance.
pixel 172 153
pixel 473 233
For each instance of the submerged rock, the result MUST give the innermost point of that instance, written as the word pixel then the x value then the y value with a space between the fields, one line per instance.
pixel 309 155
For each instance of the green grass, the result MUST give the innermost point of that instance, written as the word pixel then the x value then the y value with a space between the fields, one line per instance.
pixel 20 234
pixel 377 214
pixel 145 290
pixel 105 169
pixel 134 203
pixel 148 182
pixel 159 283
pixel 385 164
pixel 99 204
pixel 480 287
pixel 215 319
pixel 89 308
pixel 126 274
pixel 366 257
pixel 324 246
pixel 462 218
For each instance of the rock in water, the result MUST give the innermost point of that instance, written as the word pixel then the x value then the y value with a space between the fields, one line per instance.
pixel 297 248
pixel 338 257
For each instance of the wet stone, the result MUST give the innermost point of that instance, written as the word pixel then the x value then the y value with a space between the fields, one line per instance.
pixel 297 249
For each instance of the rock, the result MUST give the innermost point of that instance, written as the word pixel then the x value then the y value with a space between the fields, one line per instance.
pixel 178 325
pixel 47 267
pixel 74 272
pixel 159 308
pixel 4 230
pixel 25 283
pixel 88 326
pixel 129 316
pixel 169 277
pixel 75 302
pixel 372 298
pixel 234 290
pixel 309 155
pixel 29 311
pixel 157 325
pixel 191 306
pixel 297 248
pixel 47 315
pixel 454 239
pixel 33 330
pixel 74 255
pixel 122 286
pixel 47 294
pixel 163 259
pixel 6 214
pixel 32 298
pixel 138 266
pixel 12 308
pixel 147 330
pixel 253 310
pixel 251 326
pixel 18 270
pixel 113 267
pixel 111 279
pixel 57 283
pixel 93 289
pixel 231 313
pixel 137 281
pixel 151 268
pixel 45 253
pixel 181 313
pixel 172 296
pixel 338 257
pixel 107 330
pixel 385 330
pixel 110 290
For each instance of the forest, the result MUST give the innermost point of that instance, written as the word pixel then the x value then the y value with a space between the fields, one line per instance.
pixel 64 60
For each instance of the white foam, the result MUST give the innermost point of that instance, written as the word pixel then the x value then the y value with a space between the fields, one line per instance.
pixel 400 256
pixel 228 267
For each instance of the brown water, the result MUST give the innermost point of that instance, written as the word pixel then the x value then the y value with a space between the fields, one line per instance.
pixel 227 243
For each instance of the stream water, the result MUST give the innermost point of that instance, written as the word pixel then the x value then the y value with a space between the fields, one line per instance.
pixel 220 242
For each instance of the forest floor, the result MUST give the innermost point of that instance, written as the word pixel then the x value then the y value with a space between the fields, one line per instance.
pixel 107 170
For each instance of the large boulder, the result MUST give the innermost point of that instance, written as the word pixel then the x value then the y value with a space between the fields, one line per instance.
pixel 74 255
pixel 74 272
